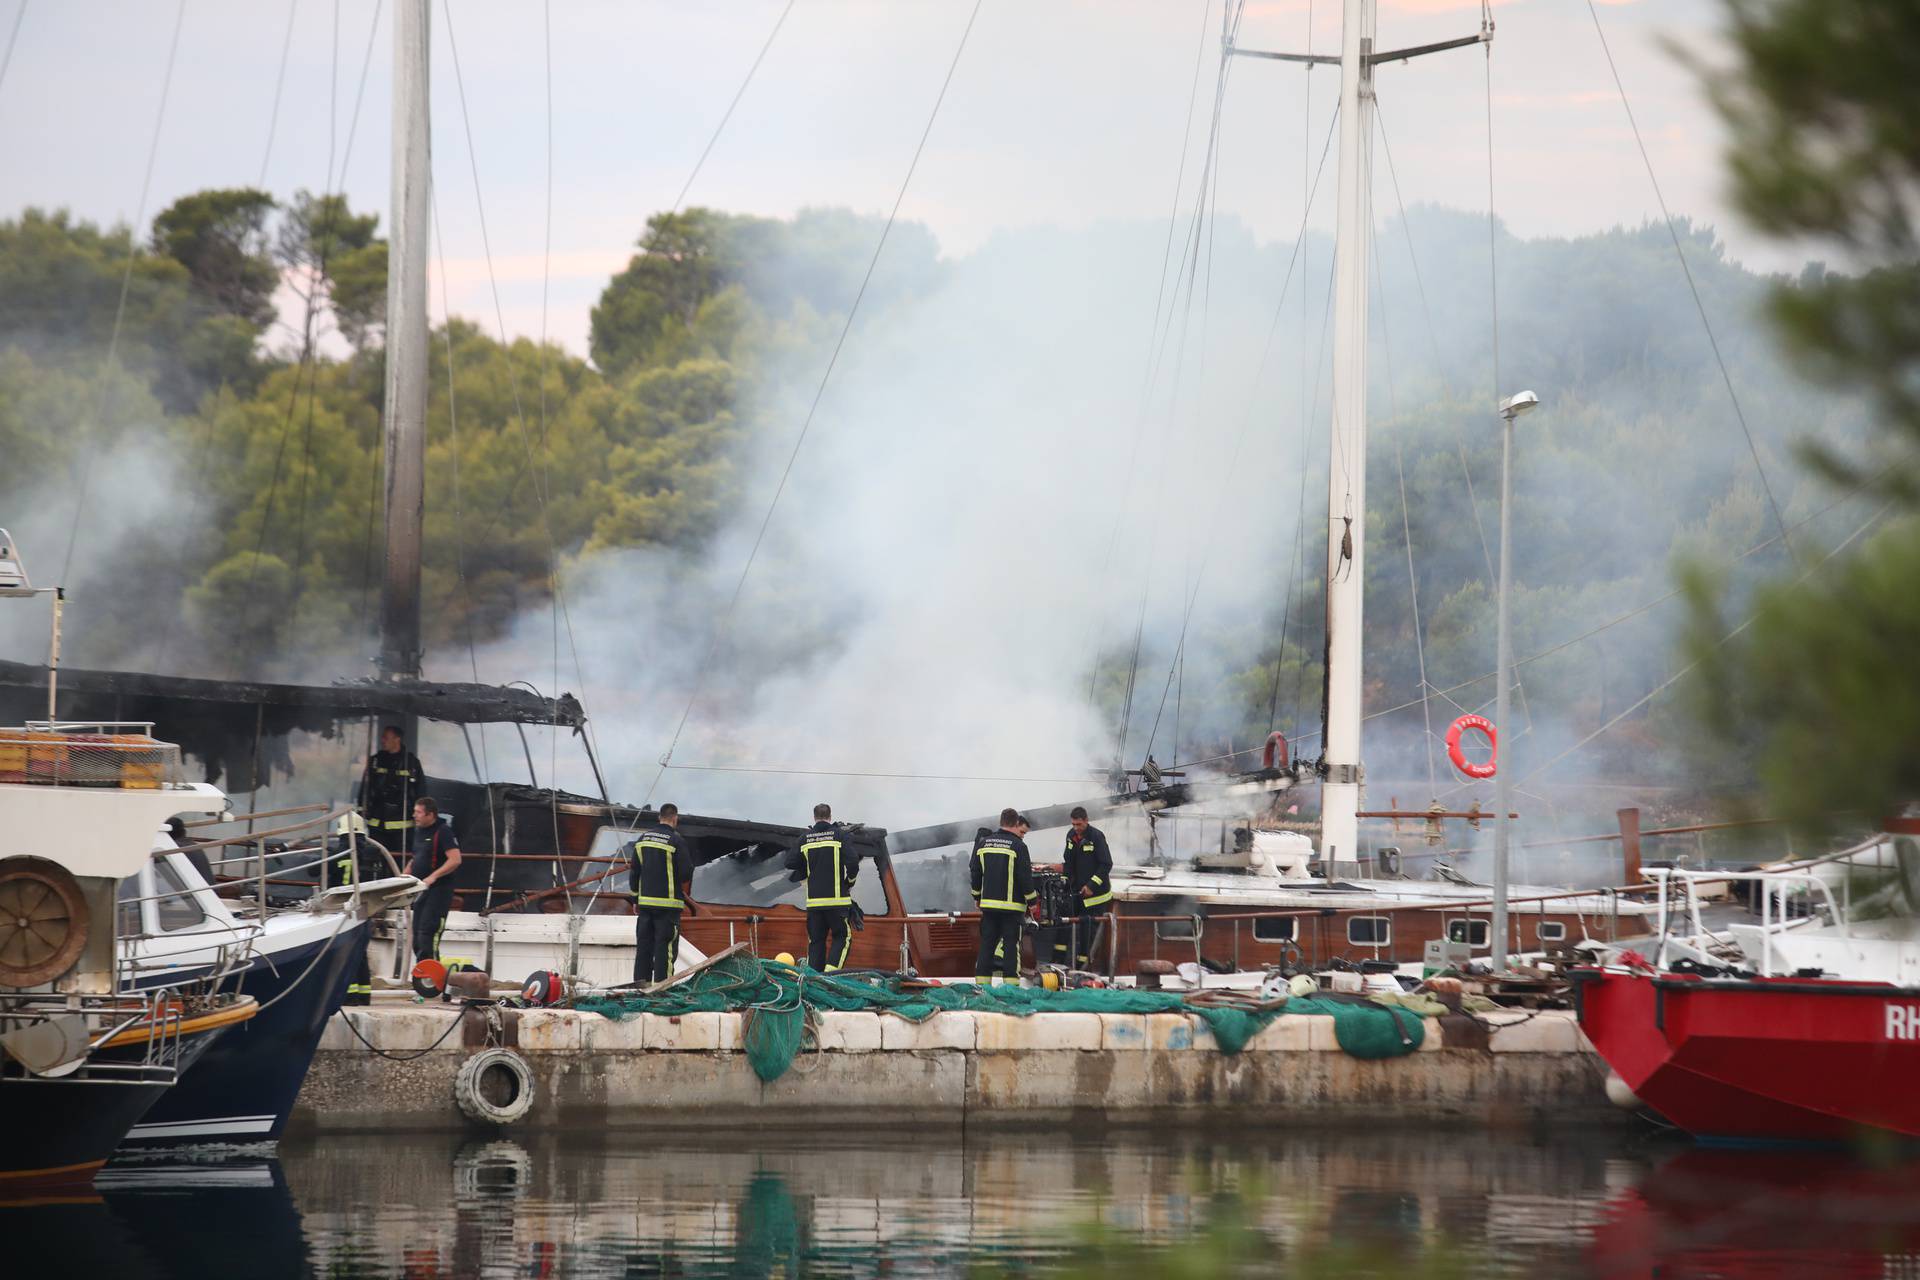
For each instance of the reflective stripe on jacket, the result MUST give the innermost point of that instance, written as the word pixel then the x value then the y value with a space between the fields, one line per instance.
pixel 1089 866
pixel 1001 872
pixel 662 871
pixel 828 864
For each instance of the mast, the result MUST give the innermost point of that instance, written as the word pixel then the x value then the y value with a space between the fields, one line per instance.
pixel 406 394
pixel 1347 469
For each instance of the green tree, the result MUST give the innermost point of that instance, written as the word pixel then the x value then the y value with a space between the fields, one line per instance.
pixel 1823 114
pixel 334 263
pixel 1817 693
pixel 220 237
pixel 684 259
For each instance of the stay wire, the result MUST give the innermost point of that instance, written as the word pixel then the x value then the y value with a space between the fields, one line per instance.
pixel 819 393
pixel 88 455
pixel 1628 616
pixel 13 36
pixel 535 457
pixel 1153 338
pixel 1213 522
pixel 1673 679
pixel 1440 367
pixel 1406 525
pixel 279 85
pixel 727 115
pixel 459 517
pixel 1693 288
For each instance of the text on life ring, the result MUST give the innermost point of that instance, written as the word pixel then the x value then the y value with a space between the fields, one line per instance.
pixel 1480 725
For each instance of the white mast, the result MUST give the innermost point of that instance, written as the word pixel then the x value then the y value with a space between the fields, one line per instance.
pixel 406 403
pixel 1347 472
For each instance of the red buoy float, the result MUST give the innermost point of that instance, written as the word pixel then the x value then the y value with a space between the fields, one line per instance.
pixel 1484 726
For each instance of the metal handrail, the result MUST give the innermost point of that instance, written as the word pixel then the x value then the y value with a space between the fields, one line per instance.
pixel 1772 884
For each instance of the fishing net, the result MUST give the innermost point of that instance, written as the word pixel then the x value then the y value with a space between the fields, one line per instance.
pixel 779 1000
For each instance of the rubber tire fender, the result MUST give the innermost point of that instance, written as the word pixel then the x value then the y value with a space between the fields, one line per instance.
pixel 475 1105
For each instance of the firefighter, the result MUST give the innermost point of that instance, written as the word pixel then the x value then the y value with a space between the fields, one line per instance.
pixel 392 780
pixel 662 882
pixel 828 864
pixel 1089 870
pixel 436 856
pixel 1001 873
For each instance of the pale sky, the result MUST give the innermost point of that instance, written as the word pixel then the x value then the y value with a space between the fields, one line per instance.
pixel 1060 114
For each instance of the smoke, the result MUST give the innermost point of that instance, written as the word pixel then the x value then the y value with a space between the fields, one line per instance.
pixel 971 521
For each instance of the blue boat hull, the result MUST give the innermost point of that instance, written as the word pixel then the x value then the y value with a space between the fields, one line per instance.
pixel 244 1088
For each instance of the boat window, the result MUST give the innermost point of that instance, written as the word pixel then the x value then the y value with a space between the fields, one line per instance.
pixel 1551 931
pixel 1369 931
pixel 128 925
pixel 1471 932
pixel 1276 929
pixel 177 909
pixel 1181 930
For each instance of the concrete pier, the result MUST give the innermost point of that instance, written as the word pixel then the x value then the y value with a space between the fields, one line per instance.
pixel 957 1069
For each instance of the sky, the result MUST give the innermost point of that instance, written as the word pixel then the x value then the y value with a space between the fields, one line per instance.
pixel 1059 114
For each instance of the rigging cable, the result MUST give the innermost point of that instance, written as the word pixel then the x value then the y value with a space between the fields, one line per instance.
pixel 1671 680
pixel 126 278
pixel 336 181
pixel 1699 306
pixel 1266 350
pixel 309 360
pixel 1148 366
pixel 806 424
pixel 459 520
pixel 1294 574
pixel 13 36
pixel 728 113
pixel 1440 366
pixel 1200 226
pixel 279 84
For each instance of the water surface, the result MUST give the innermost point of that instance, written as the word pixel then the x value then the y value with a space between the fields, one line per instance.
pixel 1391 1202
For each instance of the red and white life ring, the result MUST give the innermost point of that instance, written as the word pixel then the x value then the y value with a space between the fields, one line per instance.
pixel 1484 726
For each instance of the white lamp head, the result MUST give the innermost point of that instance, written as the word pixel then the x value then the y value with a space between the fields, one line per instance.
pixel 1515 405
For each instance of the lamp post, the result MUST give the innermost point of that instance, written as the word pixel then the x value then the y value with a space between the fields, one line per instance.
pixel 1510 408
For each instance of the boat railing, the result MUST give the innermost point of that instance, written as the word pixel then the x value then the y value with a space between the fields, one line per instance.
pixel 96 754
pixel 304 846
pixel 1777 891
pixel 145 1024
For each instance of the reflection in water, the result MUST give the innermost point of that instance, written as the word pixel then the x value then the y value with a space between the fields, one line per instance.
pixel 1381 1203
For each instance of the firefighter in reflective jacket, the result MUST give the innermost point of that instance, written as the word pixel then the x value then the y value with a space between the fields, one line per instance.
pixel 662 882
pixel 387 791
pixel 828 864
pixel 1001 873
pixel 1089 870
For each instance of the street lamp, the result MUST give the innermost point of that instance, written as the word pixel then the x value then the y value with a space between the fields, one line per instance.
pixel 1510 408
pixel 15 585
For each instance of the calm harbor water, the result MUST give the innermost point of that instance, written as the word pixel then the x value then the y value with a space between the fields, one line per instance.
pixel 1388 1203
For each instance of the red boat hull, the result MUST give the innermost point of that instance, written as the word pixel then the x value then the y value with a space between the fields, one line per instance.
pixel 1764 1059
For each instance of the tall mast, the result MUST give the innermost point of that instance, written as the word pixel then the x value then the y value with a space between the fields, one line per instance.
pixel 1347 472
pixel 406 403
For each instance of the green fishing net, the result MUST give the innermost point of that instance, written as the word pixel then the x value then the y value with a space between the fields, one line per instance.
pixel 777 1000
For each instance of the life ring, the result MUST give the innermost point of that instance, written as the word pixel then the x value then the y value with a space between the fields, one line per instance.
pixel 1484 726
pixel 494 1086
pixel 1276 747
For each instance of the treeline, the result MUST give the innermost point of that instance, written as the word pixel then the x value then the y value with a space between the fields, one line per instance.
pixel 230 449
